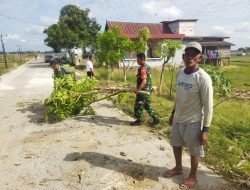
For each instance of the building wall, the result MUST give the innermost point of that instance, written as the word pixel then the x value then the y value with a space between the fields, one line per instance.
pixel 188 28
pixel 224 51
pixel 183 27
pixel 153 61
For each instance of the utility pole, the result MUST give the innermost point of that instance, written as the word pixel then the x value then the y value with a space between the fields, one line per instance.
pixel 4 53
pixel 19 51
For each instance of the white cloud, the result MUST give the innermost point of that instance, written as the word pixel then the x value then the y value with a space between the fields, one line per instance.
pixel 243 27
pixel 46 20
pixel 13 37
pixel 23 40
pixel 161 8
pixel 36 42
pixel 35 29
pixel 220 31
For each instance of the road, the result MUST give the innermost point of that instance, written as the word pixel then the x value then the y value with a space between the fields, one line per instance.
pixel 98 152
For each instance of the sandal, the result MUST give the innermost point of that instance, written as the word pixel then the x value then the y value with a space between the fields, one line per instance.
pixel 187 185
pixel 173 172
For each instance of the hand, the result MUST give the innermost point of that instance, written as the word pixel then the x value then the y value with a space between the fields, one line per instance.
pixel 203 138
pixel 170 120
pixel 135 90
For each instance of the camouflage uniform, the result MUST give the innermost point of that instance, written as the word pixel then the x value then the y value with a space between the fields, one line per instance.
pixel 142 100
pixel 62 72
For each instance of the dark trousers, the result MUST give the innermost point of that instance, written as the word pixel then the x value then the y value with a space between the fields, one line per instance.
pixel 90 74
pixel 143 102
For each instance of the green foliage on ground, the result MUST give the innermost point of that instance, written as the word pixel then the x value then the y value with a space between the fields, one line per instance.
pixel 66 99
pixel 228 149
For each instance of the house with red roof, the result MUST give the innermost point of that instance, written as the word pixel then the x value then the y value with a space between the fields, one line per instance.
pixel 181 29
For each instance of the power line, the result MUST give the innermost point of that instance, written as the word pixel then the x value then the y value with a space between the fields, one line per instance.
pixel 21 20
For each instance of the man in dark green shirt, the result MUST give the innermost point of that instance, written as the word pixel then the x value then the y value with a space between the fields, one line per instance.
pixel 61 71
pixel 143 83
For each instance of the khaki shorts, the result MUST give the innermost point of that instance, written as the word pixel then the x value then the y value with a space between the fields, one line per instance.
pixel 187 135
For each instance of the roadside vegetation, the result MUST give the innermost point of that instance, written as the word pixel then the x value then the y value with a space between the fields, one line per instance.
pixel 14 61
pixel 228 150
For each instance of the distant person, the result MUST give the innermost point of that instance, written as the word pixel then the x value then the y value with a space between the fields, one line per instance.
pixel 61 71
pixel 89 66
pixel 144 83
pixel 192 113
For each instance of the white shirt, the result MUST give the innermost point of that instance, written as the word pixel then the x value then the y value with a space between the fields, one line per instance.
pixel 194 98
pixel 89 66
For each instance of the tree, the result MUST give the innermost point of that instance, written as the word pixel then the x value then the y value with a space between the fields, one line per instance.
pixel 141 43
pixel 54 37
pixel 73 30
pixel 138 46
pixel 168 51
pixel 111 48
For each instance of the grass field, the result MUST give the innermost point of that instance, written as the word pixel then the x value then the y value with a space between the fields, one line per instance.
pixel 13 62
pixel 228 150
pixel 239 72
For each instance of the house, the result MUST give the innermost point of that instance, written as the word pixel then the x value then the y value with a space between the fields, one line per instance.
pixel 214 48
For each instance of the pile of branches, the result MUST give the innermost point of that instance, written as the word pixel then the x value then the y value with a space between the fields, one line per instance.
pixel 71 97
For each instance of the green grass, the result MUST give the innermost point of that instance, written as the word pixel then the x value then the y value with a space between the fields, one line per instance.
pixel 239 72
pixel 13 62
pixel 228 149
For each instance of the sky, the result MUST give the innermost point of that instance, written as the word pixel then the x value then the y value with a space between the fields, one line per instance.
pixel 23 21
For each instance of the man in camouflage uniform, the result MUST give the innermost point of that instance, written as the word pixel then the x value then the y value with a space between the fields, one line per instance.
pixel 144 83
pixel 61 71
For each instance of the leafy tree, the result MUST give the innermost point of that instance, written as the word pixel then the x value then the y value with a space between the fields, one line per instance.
pixel 111 48
pixel 73 30
pixel 54 37
pixel 168 51
pixel 141 43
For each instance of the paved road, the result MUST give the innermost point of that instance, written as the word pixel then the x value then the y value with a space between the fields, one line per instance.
pixel 98 152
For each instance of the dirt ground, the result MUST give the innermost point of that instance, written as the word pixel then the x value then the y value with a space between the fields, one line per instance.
pixel 100 152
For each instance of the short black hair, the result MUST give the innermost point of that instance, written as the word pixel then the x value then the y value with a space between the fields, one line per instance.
pixel 141 56
pixel 90 56
pixel 53 62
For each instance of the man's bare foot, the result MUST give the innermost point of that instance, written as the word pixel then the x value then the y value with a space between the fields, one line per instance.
pixel 188 183
pixel 173 172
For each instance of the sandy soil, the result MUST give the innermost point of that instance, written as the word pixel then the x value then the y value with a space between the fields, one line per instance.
pixel 100 152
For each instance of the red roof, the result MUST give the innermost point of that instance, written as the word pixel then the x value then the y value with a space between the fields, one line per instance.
pixel 157 30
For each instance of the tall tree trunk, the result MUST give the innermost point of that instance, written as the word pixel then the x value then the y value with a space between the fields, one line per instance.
pixel 171 85
pixel 110 72
pixel 71 56
pixel 125 69
pixel 125 74
pixel 109 75
pixel 162 72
